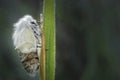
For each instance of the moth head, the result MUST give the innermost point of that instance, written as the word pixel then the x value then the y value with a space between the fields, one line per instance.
pixel 30 21
pixel 26 21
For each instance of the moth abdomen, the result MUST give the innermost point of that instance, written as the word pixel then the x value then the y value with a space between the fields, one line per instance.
pixel 30 63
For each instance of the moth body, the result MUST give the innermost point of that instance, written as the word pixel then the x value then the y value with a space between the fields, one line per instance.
pixel 26 38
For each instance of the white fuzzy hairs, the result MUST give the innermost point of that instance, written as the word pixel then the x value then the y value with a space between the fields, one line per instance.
pixel 26 38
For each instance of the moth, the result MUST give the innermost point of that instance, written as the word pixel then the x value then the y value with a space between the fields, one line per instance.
pixel 27 42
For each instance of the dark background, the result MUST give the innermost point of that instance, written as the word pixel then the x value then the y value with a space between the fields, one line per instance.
pixel 87 39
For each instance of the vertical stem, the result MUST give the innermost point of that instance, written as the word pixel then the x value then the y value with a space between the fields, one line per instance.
pixel 42 53
pixel 47 57
pixel 49 33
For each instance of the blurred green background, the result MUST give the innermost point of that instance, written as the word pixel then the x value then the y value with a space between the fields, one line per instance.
pixel 87 39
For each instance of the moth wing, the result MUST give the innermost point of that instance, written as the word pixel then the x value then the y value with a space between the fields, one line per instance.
pixel 26 41
pixel 30 60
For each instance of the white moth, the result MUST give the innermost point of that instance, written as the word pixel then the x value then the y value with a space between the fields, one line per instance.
pixel 27 42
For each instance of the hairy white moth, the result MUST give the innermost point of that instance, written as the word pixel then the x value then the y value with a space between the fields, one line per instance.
pixel 27 42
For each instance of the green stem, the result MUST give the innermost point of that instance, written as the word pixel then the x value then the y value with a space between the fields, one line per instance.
pixel 49 38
